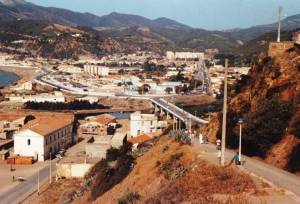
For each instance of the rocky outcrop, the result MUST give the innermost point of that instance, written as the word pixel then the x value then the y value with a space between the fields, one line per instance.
pixel 269 79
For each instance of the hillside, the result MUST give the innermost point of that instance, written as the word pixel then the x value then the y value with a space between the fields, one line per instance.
pixel 12 9
pixel 176 36
pixel 269 101
pixel 39 38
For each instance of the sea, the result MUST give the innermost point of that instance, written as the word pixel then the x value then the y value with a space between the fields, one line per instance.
pixel 7 78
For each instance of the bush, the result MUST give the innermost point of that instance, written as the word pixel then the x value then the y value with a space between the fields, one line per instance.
pixel 266 126
pixel 181 136
pixel 106 177
pixel 112 154
pixel 130 198
pixel 294 161
pixel 172 168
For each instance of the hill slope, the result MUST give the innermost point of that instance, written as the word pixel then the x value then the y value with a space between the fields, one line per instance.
pixel 269 101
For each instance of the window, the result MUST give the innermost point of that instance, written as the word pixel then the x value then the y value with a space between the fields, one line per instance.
pixel 28 142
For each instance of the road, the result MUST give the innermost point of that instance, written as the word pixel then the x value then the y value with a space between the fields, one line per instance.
pixel 272 174
pixel 178 112
pixel 22 190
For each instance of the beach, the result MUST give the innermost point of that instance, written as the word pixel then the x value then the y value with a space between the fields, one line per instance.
pixel 24 74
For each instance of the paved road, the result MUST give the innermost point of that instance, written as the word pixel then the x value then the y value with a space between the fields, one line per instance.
pixel 19 192
pixel 273 174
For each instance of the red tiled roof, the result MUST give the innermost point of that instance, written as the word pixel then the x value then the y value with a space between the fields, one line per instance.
pixel 140 139
pixel 104 119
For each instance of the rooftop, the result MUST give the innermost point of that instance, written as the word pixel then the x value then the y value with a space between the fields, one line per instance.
pixel 46 123
pixel 103 119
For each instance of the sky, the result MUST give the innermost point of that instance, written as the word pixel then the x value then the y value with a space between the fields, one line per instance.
pixel 207 14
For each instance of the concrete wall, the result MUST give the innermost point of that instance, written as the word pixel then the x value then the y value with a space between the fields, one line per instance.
pixel 142 123
pixel 34 149
pixel 276 49
pixel 72 170
pixel 96 150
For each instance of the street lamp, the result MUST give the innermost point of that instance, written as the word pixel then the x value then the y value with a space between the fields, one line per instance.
pixel 240 140
pixel 50 170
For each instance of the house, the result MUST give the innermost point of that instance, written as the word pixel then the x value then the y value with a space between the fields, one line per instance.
pixel 46 134
pixel 142 123
pixel 40 98
pixel 98 145
pixel 26 86
pixel 10 122
pixel 97 125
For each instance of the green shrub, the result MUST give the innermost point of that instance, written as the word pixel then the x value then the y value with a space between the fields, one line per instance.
pixel 266 126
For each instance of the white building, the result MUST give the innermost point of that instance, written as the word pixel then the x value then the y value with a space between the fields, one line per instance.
pixel 45 134
pixel 26 86
pixel 96 70
pixel 56 97
pixel 142 123
pixel 184 55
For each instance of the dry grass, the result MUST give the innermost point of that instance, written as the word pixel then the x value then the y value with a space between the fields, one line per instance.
pixel 204 181
pixel 55 193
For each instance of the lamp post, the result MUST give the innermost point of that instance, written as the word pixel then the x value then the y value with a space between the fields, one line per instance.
pixel 50 170
pixel 240 140
pixel 38 181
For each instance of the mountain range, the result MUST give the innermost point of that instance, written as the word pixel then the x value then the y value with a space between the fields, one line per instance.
pixel 11 9
pixel 118 32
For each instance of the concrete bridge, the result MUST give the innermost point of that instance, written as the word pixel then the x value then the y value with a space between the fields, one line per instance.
pixel 179 115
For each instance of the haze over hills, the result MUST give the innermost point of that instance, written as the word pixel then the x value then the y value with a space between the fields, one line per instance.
pixel 22 9
pixel 118 32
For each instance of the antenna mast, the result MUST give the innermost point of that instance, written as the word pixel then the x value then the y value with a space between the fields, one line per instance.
pixel 279 23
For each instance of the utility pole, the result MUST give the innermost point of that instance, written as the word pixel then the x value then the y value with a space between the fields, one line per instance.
pixel 50 171
pixel 279 24
pixel 223 143
pixel 240 139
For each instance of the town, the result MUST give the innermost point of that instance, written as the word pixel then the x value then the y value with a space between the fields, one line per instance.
pixel 92 122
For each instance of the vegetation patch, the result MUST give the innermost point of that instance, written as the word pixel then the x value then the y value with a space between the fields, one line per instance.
pixel 130 198
pixel 74 105
pixel 181 136
pixel 173 168
pixel 200 184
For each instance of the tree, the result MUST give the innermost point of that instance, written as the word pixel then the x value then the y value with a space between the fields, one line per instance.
pixel 178 89
pixel 185 89
pixel 178 77
pixel 168 90
pixel 145 88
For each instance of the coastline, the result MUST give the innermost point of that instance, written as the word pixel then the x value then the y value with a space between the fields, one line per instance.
pixel 23 74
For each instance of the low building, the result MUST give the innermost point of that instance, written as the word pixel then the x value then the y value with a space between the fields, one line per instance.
pixel 97 125
pixel 26 86
pixel 41 98
pixel 47 133
pixel 90 99
pixel 278 48
pixel 98 145
pixel 96 70
pixel 11 122
pixel 184 55
pixel 142 123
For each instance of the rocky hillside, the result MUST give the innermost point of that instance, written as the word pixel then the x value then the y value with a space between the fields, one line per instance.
pixel 269 101
pixel 172 173
pixel 38 38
